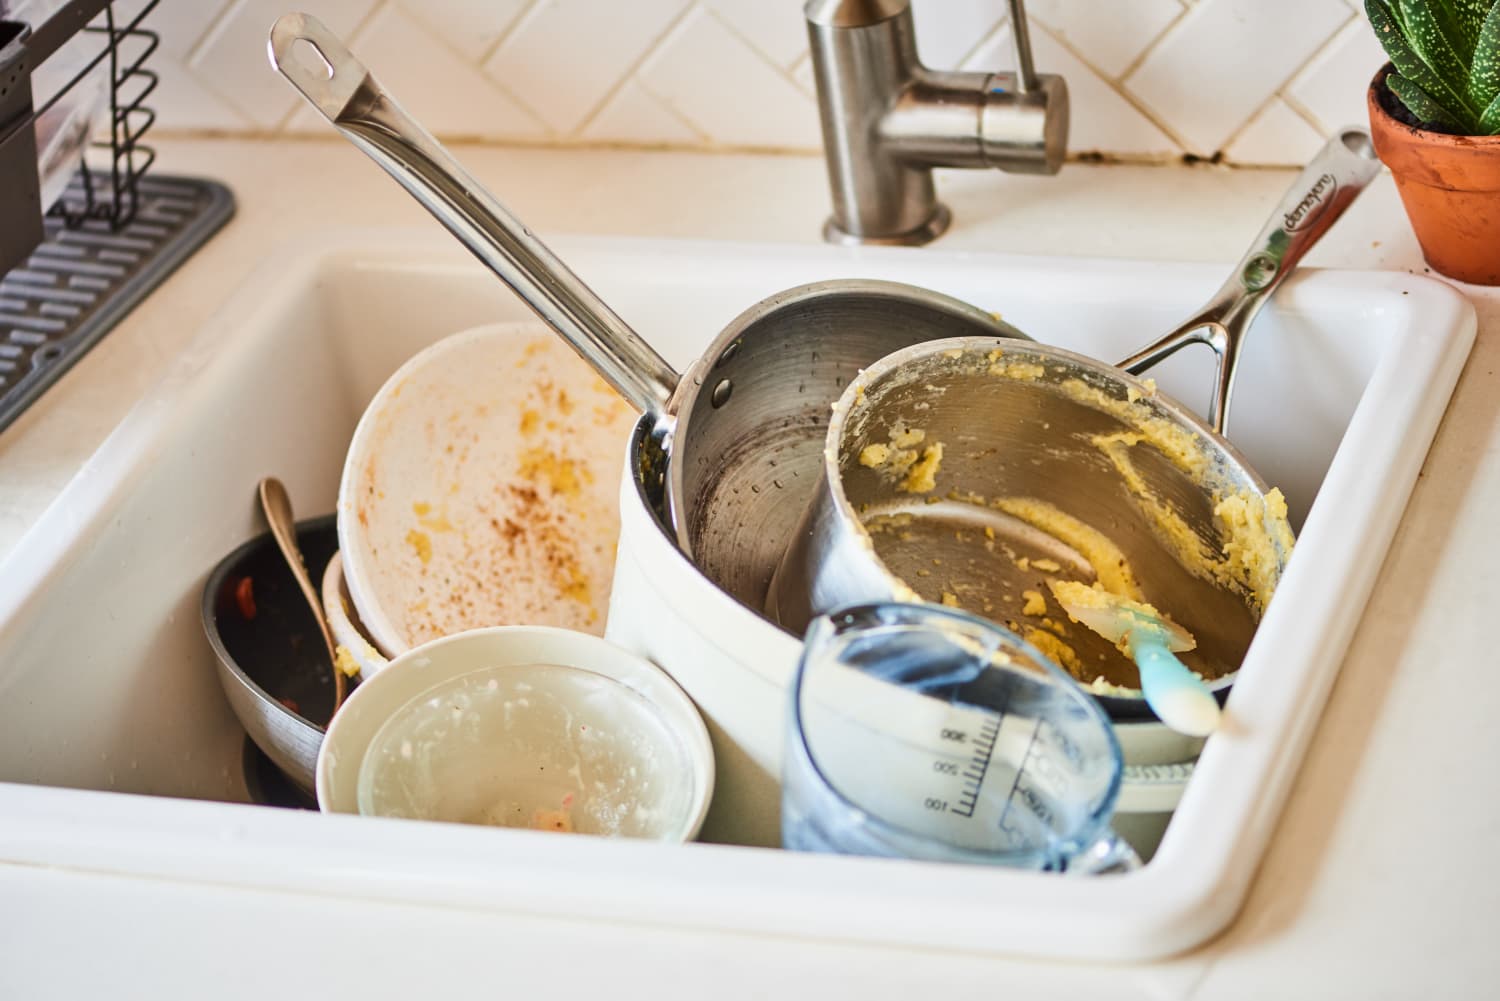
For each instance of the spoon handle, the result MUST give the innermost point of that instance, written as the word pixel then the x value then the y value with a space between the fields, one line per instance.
pixel 277 507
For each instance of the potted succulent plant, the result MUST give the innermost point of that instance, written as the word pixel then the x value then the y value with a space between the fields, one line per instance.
pixel 1435 119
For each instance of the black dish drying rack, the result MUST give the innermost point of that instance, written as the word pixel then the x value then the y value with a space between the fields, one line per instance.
pixel 69 273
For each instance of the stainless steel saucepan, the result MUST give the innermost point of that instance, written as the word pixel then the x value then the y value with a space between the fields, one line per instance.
pixel 973 471
pixel 732 445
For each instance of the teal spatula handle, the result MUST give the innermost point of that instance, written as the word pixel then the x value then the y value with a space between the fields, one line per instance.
pixel 1177 695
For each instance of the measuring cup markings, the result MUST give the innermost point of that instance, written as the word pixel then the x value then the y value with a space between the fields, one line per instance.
pixel 956 781
pixel 932 734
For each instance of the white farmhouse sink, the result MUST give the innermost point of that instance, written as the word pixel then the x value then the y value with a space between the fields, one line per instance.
pixel 112 721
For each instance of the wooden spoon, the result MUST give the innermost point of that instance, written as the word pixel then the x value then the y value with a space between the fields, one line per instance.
pixel 277 507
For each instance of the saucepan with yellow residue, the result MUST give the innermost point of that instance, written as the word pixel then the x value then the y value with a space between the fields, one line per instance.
pixel 978 473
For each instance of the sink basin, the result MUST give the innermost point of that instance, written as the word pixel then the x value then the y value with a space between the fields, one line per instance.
pixel 118 753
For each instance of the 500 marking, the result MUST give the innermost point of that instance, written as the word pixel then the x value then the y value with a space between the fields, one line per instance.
pixel 971 771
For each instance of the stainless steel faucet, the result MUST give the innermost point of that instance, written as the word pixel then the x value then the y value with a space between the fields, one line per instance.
pixel 888 120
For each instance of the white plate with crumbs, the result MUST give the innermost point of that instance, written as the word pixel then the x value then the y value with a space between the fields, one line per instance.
pixel 479 490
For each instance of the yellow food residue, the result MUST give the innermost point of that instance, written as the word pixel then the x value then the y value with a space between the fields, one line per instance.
pixel 1257 536
pixel 1173 440
pixel 421 543
pixel 1114 617
pixel 1175 533
pixel 1022 371
pixel 1106 558
pixel 1054 648
pixel 432 522
pixel 1035 603
pixel 917 471
pixel 344 661
pixel 950 599
pixel 922 478
pixel 561 474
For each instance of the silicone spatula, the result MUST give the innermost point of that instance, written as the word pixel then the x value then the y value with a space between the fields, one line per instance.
pixel 1177 695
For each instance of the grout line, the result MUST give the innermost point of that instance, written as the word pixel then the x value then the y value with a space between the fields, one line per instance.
pixel 1255 116
pixel 812 155
pixel 193 50
pixel 745 40
pixel 1118 88
pixel 209 81
pixel 522 16
pixel 480 66
pixel 1305 113
pixel 1149 47
pixel 441 40
pixel 630 74
pixel 1281 91
pixel 984 39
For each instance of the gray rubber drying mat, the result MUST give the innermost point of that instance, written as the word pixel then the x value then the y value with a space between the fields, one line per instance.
pixel 82 281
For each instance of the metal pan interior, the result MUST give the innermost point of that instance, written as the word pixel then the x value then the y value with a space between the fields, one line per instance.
pixel 981 474
pixel 746 454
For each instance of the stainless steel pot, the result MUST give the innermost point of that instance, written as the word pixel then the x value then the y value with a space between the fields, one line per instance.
pixel 734 440
pixel 971 471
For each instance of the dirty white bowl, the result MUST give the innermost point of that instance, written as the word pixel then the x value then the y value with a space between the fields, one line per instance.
pixel 479 490
pixel 349 636
pixel 522 726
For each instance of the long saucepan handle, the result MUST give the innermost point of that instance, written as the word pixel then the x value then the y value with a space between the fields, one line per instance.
pixel 1321 193
pixel 350 98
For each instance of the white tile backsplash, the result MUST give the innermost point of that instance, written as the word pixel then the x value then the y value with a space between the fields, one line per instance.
pixel 447 95
pixel 1225 59
pixel 1274 133
pixel 1259 81
pixel 1111 37
pixel 703 71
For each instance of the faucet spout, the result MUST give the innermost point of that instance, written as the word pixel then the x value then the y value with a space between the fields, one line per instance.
pixel 888 120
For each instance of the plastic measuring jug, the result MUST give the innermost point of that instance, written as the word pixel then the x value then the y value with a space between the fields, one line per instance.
pixel 923 732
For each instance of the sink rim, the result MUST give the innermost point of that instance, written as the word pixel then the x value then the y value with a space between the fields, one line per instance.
pixel 1178 900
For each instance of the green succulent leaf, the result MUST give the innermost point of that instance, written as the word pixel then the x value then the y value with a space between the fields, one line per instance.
pixel 1471 13
pixel 1386 11
pixel 1484 79
pixel 1420 103
pixel 1489 122
pixel 1409 64
pixel 1426 35
pixel 1461 33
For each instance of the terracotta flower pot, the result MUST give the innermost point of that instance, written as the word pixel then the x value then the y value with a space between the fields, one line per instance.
pixel 1450 186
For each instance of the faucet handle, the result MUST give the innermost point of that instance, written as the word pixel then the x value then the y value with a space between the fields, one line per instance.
pixel 1024 122
pixel 1020 34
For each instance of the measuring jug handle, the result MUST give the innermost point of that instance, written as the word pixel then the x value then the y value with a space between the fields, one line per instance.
pixel 1109 855
pixel 1327 185
pixel 345 92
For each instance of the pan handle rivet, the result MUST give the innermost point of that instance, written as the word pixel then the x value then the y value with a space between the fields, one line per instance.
pixel 721 393
pixel 728 354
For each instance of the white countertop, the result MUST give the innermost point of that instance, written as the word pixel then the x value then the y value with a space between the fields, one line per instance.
pixel 1371 887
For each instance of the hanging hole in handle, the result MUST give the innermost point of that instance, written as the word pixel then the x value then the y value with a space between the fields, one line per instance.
pixel 308 57
pixel 1357 141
